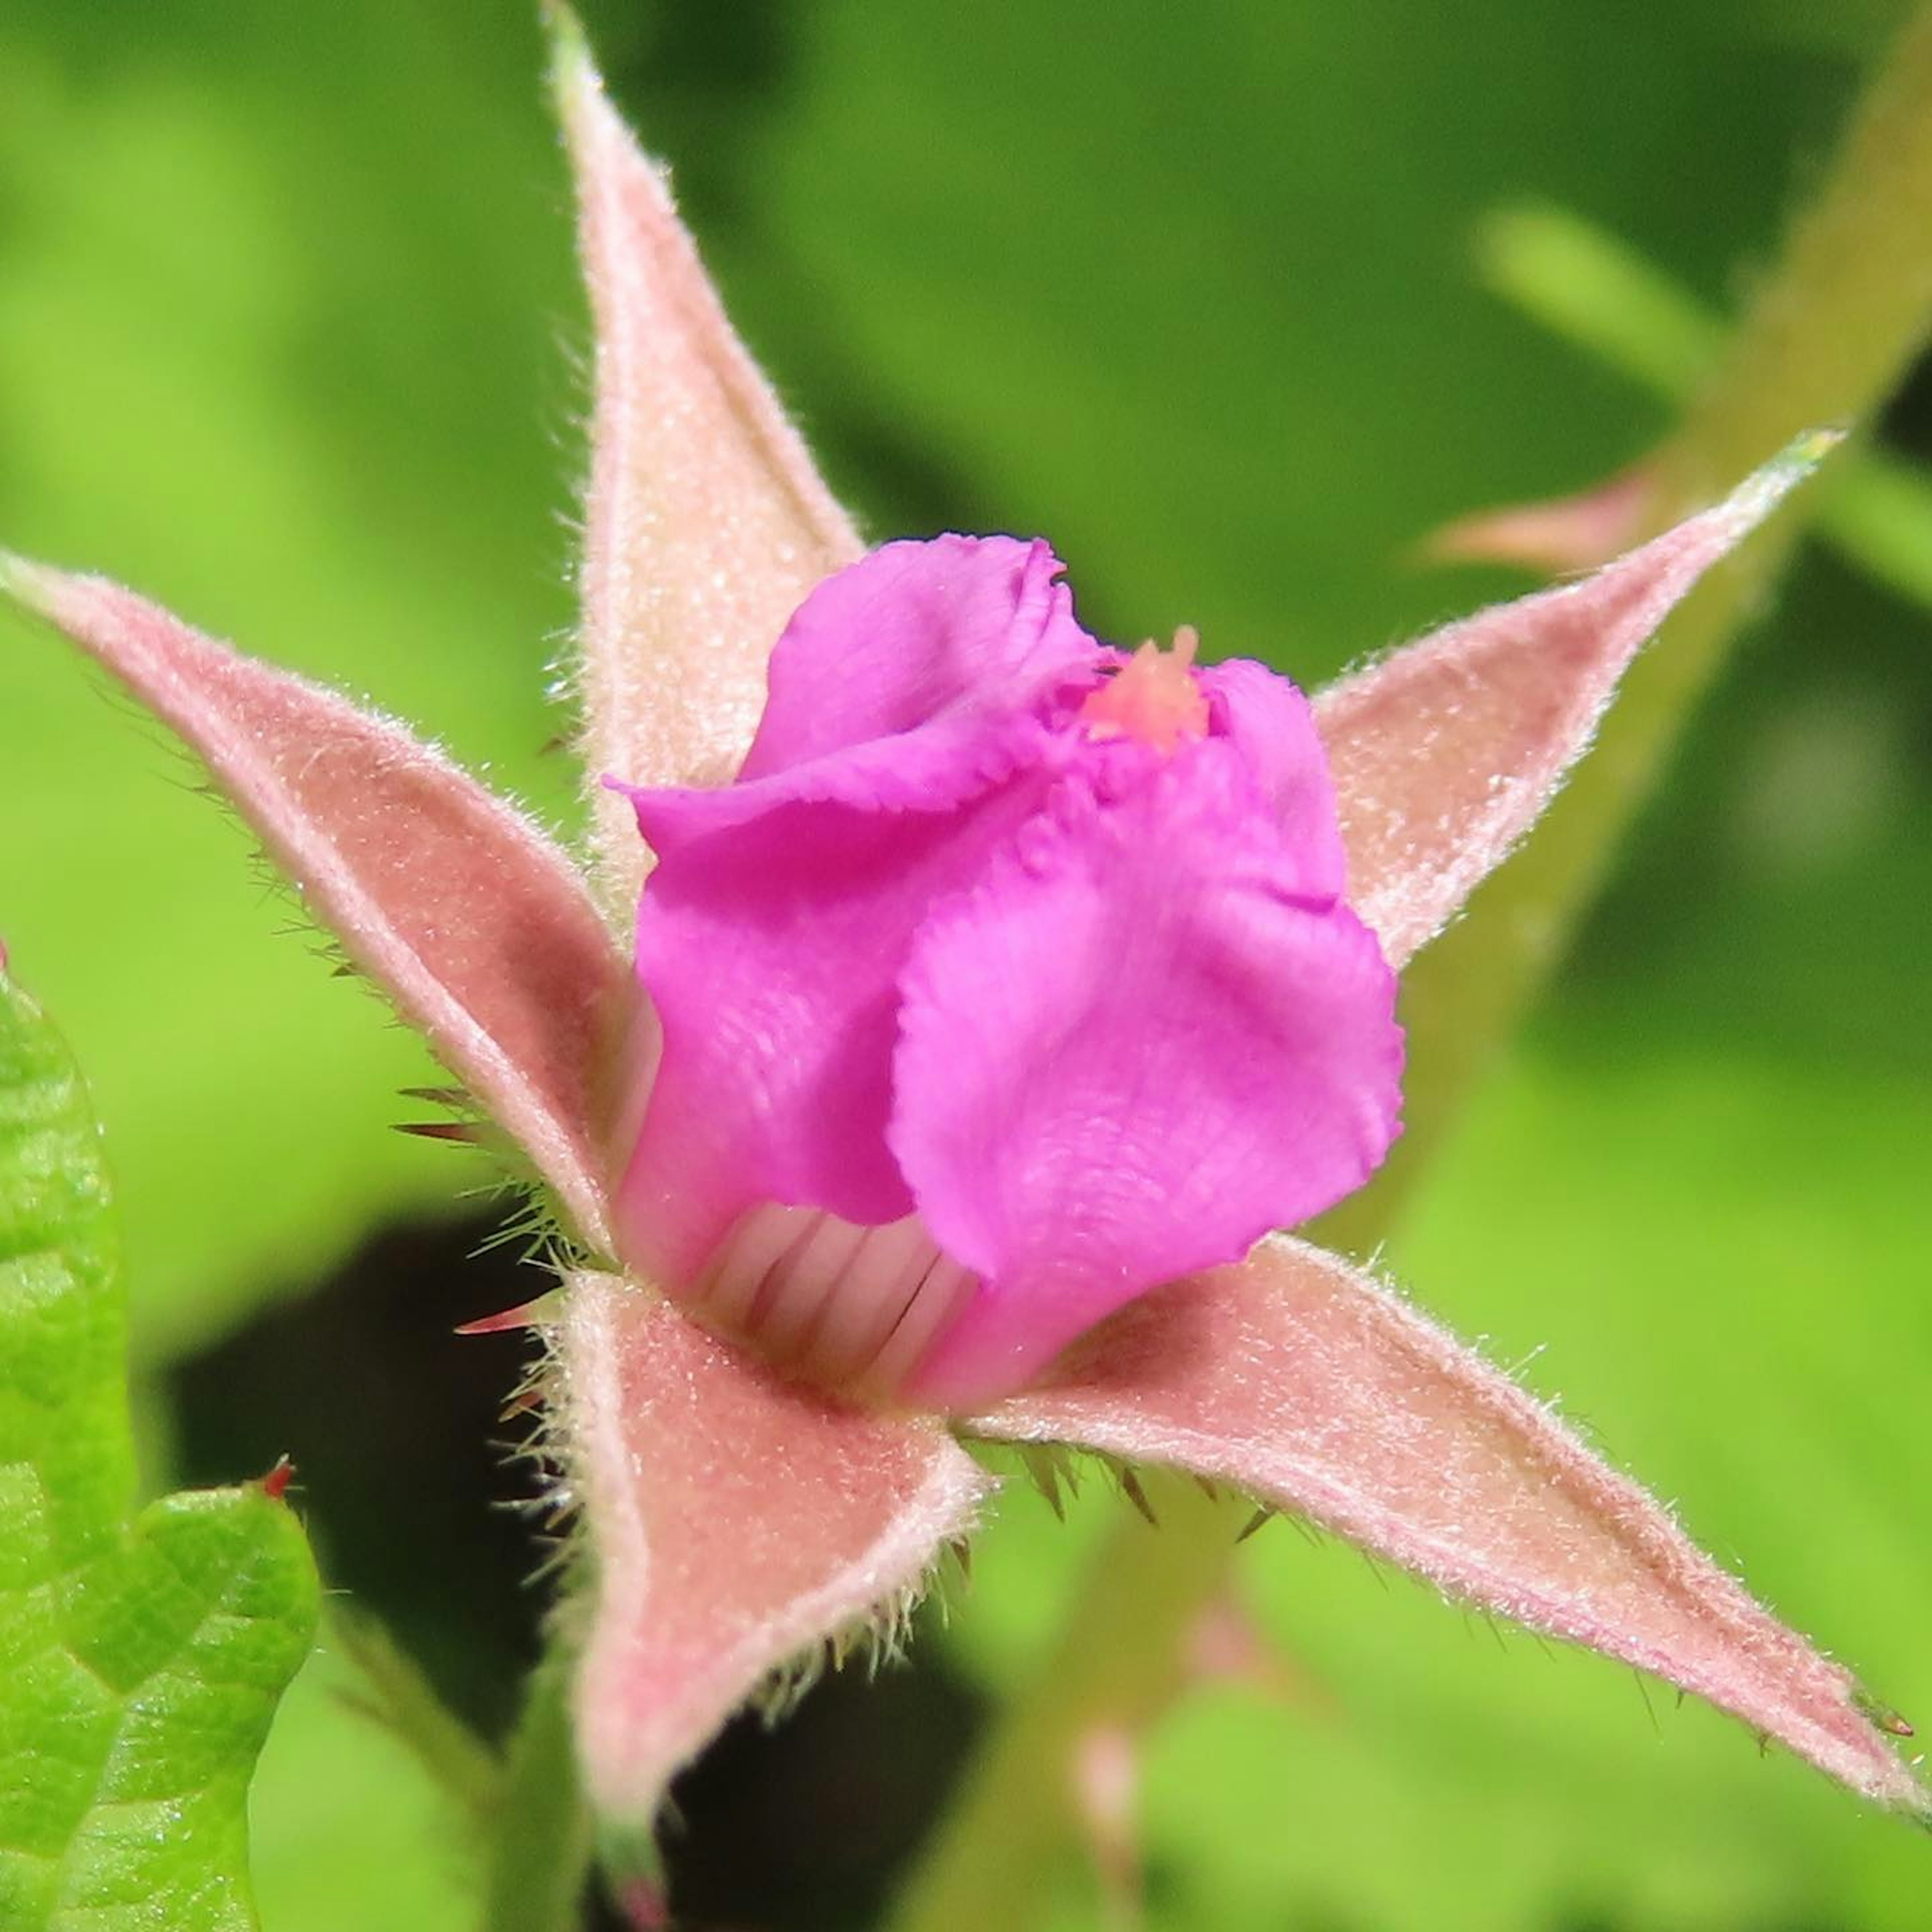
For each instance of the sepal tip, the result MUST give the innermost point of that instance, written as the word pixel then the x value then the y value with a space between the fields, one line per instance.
pixel 22 580
pixel 569 45
pixel 1762 491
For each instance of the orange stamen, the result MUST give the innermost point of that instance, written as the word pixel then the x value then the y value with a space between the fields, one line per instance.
pixel 1154 696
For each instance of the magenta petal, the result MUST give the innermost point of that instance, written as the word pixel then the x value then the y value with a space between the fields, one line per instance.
pixel 1446 753
pixel 1271 725
pixel 910 681
pixel 948 762
pixel 913 633
pixel 1131 1050
pixel 1303 1381
pixel 772 949
pixel 474 923
pixel 737 1522
pixel 705 523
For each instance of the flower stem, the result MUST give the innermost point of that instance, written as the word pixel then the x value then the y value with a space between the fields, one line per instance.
pixel 392 1691
pixel 1829 335
pixel 538 1858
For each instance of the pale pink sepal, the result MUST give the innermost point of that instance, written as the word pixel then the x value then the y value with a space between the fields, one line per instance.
pixel 476 926
pixel 736 1522
pixel 1557 536
pixel 1445 753
pixel 705 523
pixel 1302 1380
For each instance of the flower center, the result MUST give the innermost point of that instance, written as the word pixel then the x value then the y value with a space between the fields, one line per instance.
pixel 1153 698
pixel 851 1308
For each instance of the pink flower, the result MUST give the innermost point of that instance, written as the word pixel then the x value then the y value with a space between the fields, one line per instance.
pixel 1025 964
pixel 943 765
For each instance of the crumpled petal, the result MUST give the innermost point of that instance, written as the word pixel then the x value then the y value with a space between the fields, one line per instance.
pixel 1132 1050
pixel 705 523
pixel 1303 1380
pixel 783 905
pixel 913 681
pixel 916 632
pixel 469 918
pixel 736 1521
pixel 1445 753
pixel 772 949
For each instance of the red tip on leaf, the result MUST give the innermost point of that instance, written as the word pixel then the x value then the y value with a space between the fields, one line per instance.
pixel 275 1483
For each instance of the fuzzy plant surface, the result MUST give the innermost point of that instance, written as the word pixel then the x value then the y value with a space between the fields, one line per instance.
pixel 142 1654
pixel 953 998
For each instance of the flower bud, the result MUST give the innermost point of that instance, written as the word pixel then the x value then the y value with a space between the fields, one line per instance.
pixel 1011 978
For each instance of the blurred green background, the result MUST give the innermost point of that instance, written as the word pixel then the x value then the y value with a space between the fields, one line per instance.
pixel 289 337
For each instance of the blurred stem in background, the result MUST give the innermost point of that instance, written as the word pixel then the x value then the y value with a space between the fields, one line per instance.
pixel 1831 331
pixel 538 1856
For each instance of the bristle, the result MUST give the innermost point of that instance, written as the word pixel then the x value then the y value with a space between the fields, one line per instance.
pixel 466 1131
pixel 525 1314
pixel 1882 1715
pixel 438 1097
pixel 1130 1488
pixel 1260 1519
pixel 1043 1465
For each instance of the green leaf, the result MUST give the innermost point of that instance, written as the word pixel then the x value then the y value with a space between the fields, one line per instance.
pixel 140 1662
pixel 346 1828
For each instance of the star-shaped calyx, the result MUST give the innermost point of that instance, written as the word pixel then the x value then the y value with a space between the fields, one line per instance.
pixel 736 1514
